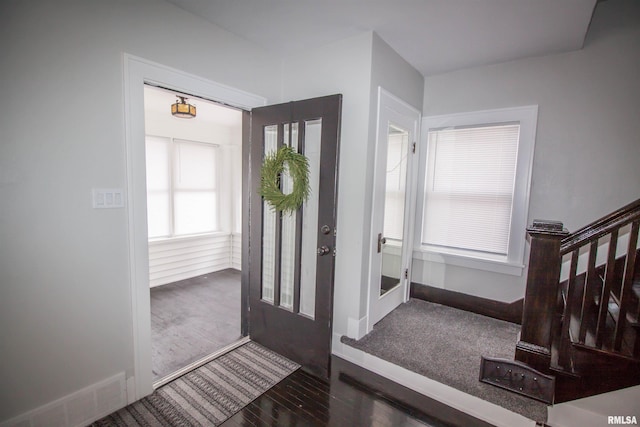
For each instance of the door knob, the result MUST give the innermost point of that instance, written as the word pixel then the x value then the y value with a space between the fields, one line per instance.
pixel 323 250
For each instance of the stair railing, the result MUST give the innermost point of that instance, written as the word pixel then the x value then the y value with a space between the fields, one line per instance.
pixel 585 297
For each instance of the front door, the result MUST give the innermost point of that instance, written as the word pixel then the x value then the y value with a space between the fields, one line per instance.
pixel 291 255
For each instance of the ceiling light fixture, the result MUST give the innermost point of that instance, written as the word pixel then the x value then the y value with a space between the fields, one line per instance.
pixel 183 109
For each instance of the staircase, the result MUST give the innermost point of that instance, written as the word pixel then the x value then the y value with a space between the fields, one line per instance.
pixel 580 331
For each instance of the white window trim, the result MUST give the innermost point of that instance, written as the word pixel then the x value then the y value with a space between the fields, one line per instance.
pixel 513 263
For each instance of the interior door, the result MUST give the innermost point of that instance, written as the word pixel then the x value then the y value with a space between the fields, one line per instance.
pixel 393 206
pixel 292 256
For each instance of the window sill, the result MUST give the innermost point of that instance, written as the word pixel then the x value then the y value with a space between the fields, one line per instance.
pixel 189 237
pixel 485 262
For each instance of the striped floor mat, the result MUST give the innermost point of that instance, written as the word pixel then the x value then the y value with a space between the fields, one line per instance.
pixel 210 394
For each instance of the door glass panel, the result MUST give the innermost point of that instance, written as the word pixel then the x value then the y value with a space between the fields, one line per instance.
pixel 310 226
pixel 269 225
pixel 394 201
pixel 289 229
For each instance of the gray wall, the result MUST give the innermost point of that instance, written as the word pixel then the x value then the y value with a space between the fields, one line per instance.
pixel 354 67
pixel 65 306
pixel 587 151
pixel 342 67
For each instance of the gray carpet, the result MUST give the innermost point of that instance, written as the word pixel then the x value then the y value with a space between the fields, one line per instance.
pixel 210 394
pixel 445 344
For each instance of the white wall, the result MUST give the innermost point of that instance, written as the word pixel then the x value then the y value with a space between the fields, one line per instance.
pixel 354 67
pixel 65 321
pixel 588 146
pixel 342 67
pixel 171 260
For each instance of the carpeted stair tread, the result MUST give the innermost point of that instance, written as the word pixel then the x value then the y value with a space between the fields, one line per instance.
pixel 445 344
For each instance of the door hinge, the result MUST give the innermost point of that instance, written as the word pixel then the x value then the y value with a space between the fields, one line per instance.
pixel 413 148
pixel 406 273
pixel 334 251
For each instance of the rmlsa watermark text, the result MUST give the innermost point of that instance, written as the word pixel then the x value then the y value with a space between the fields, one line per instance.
pixel 622 419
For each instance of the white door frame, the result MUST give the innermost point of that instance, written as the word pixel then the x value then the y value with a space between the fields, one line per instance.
pixel 137 72
pixel 392 110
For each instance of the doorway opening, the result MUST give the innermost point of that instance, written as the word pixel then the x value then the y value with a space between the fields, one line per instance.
pixel 194 224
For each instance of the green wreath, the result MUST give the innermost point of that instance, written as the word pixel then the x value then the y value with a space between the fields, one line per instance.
pixel 272 168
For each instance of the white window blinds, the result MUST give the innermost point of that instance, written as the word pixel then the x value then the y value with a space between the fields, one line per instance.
pixel 470 186
pixel 158 155
pixel 182 187
pixel 195 182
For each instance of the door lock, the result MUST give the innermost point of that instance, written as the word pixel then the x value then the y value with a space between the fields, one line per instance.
pixel 323 250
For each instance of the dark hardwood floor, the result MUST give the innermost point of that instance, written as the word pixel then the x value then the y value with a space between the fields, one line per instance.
pixel 193 318
pixel 352 397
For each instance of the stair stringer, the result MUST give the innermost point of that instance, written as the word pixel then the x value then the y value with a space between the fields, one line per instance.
pixel 594 372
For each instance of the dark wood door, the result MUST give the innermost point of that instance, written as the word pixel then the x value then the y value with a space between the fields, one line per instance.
pixel 291 256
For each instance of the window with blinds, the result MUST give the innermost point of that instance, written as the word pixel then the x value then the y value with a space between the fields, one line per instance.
pixel 182 193
pixel 476 170
pixel 469 187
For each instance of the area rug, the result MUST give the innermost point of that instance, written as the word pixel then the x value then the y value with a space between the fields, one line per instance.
pixel 445 344
pixel 210 394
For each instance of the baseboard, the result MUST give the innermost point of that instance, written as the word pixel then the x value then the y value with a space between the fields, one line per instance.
pixel 357 328
pixel 511 312
pixel 77 409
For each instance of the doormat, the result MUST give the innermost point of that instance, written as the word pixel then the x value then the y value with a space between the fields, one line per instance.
pixel 210 394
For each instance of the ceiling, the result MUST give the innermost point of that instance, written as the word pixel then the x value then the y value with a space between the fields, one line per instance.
pixel 159 100
pixel 435 36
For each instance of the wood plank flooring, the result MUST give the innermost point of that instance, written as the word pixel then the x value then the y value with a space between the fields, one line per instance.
pixel 305 400
pixel 193 318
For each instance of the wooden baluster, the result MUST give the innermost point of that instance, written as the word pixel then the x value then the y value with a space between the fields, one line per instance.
pixel 627 282
pixel 565 341
pixel 592 281
pixel 606 289
pixel 534 347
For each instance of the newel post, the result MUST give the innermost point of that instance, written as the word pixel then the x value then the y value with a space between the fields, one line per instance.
pixel 541 295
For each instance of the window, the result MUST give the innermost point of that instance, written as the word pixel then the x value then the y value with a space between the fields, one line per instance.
pixel 182 195
pixel 476 172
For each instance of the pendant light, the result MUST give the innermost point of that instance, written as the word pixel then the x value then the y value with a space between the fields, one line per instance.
pixel 183 109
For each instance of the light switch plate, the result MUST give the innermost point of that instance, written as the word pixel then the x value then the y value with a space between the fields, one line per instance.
pixel 107 198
